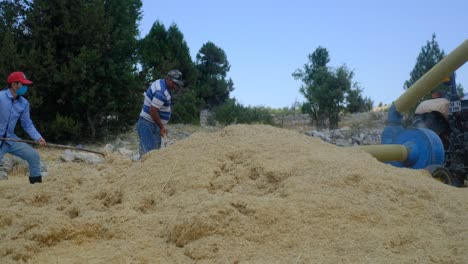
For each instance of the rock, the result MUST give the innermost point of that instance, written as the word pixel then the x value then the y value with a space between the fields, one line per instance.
pixel 348 137
pixel 125 152
pixel 343 142
pixel 67 156
pixel 91 158
pixel 135 157
pixel 319 134
pixel 356 140
pixel 7 164
pixel 168 142
pixel 337 133
pixel 10 162
pixel 44 169
pixel 108 148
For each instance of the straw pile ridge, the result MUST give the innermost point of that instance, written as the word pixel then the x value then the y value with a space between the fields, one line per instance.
pixel 245 194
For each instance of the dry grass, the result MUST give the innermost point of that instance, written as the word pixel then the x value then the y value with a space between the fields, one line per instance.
pixel 243 194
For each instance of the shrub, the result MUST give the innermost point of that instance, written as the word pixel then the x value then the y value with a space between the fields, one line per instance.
pixel 232 112
pixel 186 109
pixel 64 128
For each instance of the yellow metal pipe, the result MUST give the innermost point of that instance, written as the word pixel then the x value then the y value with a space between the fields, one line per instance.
pixel 432 78
pixel 386 153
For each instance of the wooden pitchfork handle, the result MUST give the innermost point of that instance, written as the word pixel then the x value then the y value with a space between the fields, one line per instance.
pixel 52 145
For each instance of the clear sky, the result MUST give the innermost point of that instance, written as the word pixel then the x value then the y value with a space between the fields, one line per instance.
pixel 266 41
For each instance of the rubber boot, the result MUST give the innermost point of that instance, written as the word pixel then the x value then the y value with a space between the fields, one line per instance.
pixel 33 180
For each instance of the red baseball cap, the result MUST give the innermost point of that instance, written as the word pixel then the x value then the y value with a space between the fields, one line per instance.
pixel 18 77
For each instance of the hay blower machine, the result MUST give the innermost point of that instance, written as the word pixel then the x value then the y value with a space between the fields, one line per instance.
pixel 431 142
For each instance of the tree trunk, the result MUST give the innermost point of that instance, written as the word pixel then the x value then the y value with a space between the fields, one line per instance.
pixel 92 125
pixel 334 119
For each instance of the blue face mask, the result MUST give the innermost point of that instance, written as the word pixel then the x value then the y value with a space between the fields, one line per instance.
pixel 22 90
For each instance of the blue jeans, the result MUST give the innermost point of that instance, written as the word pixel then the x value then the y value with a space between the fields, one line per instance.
pixel 149 134
pixel 25 152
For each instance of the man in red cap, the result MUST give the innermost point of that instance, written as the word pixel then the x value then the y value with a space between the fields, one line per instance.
pixel 14 107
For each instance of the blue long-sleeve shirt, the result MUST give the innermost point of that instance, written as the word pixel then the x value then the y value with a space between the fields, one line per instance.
pixel 10 111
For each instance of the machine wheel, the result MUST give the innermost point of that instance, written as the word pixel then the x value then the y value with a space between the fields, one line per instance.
pixel 440 173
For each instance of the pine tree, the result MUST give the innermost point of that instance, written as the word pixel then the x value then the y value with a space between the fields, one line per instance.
pixel 213 66
pixel 428 57
pixel 83 58
pixel 13 37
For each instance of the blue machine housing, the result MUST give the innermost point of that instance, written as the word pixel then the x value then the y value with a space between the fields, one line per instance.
pixel 423 145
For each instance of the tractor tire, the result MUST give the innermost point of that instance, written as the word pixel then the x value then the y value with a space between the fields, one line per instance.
pixel 440 173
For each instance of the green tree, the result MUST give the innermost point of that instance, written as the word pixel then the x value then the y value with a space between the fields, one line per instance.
pixel 82 59
pixel 356 102
pixel 13 36
pixel 324 88
pixel 153 52
pixel 163 50
pixel 428 57
pixel 186 108
pixel 9 57
pixel 213 66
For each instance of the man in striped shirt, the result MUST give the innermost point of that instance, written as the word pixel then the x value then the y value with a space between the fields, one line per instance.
pixel 156 111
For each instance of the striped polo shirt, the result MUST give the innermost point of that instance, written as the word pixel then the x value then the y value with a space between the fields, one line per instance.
pixel 158 96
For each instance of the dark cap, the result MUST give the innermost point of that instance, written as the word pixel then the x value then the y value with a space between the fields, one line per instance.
pixel 18 77
pixel 176 76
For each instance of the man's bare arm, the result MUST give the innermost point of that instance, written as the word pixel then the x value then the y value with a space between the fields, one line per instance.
pixel 155 116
